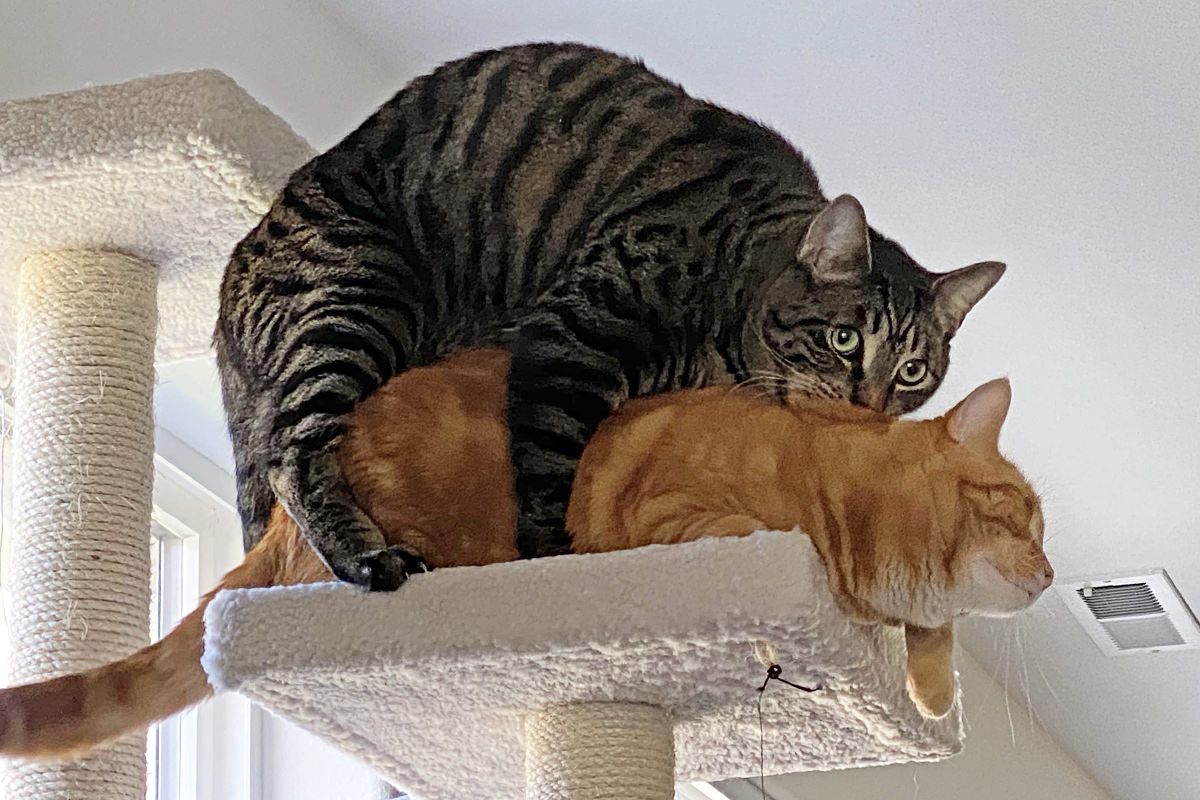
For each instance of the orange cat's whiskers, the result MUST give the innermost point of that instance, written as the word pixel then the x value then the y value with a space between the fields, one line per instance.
pixel 1049 686
pixel 1019 632
pixel 995 676
pixel 1012 729
pixel 1022 627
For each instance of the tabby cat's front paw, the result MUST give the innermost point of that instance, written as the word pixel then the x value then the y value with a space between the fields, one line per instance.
pixel 381 570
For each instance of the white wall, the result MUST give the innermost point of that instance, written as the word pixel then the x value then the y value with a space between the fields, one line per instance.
pixel 298 766
pixel 1007 756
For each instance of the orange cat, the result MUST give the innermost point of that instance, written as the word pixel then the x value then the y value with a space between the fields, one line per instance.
pixel 917 522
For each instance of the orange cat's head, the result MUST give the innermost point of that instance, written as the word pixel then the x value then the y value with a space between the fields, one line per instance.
pixel 963 529
pixel 998 558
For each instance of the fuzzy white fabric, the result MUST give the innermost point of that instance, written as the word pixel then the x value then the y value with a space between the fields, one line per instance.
pixel 428 685
pixel 172 169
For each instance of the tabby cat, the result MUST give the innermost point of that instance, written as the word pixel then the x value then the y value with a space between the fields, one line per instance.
pixel 916 522
pixel 620 236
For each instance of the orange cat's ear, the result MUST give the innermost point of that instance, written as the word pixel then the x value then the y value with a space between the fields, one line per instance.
pixel 977 420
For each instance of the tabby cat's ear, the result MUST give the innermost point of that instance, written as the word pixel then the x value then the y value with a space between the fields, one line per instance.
pixel 976 421
pixel 957 292
pixel 836 248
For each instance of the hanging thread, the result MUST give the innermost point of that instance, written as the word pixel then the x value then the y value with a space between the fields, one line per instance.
pixel 766 654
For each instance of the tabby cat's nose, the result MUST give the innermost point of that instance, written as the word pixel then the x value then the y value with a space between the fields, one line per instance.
pixel 873 397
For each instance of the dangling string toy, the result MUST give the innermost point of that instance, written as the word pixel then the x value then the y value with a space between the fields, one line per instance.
pixel 765 654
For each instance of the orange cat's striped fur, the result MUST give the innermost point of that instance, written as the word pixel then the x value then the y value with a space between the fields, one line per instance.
pixel 917 522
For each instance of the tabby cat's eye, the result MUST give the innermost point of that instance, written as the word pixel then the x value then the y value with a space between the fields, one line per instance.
pixel 844 340
pixel 913 371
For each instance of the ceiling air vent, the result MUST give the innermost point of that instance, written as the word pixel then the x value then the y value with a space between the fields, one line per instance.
pixel 1127 614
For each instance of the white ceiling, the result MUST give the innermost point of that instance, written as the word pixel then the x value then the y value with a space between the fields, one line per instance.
pixel 1065 141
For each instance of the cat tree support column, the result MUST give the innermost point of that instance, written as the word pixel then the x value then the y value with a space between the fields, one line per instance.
pixel 119 206
pixel 599 751
pixel 84 471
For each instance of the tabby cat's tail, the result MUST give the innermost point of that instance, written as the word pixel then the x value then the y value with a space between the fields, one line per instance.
pixel 71 714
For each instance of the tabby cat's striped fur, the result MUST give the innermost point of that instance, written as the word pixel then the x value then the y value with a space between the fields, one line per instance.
pixel 622 236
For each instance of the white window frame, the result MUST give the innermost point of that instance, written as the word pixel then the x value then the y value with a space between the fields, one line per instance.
pixel 171 745
pixel 698 791
pixel 211 752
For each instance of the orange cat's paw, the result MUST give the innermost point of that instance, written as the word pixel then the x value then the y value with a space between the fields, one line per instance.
pixel 934 702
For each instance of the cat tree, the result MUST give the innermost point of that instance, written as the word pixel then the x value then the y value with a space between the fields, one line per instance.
pixel 577 677
pixel 118 208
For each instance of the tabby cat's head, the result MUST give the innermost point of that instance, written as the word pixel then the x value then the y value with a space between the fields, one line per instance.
pixel 981 550
pixel 855 318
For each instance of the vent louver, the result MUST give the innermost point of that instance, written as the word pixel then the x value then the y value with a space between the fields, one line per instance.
pixel 1127 614
pixel 1121 600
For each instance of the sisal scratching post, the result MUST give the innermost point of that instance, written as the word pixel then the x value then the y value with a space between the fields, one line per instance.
pixel 599 751
pixel 84 464
pixel 115 201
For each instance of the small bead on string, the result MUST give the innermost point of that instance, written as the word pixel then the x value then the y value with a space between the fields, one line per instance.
pixel 766 655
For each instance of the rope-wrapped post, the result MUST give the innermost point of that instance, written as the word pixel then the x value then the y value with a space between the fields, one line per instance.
pixel 599 751
pixel 84 472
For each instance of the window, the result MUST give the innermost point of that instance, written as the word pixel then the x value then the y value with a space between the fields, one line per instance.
pixel 171 751
pixel 209 752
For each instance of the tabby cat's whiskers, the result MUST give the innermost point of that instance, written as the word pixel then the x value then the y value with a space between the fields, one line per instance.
pixel 1012 730
pixel 803 382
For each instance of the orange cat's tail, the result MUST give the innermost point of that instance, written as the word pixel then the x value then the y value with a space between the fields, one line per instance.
pixel 71 714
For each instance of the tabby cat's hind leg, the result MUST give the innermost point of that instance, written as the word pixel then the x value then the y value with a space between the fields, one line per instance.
pixel 254 501
pixel 311 487
pixel 254 496
pixel 338 356
pixel 572 364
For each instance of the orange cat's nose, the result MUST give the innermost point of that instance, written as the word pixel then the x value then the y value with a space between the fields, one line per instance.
pixel 1047 574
